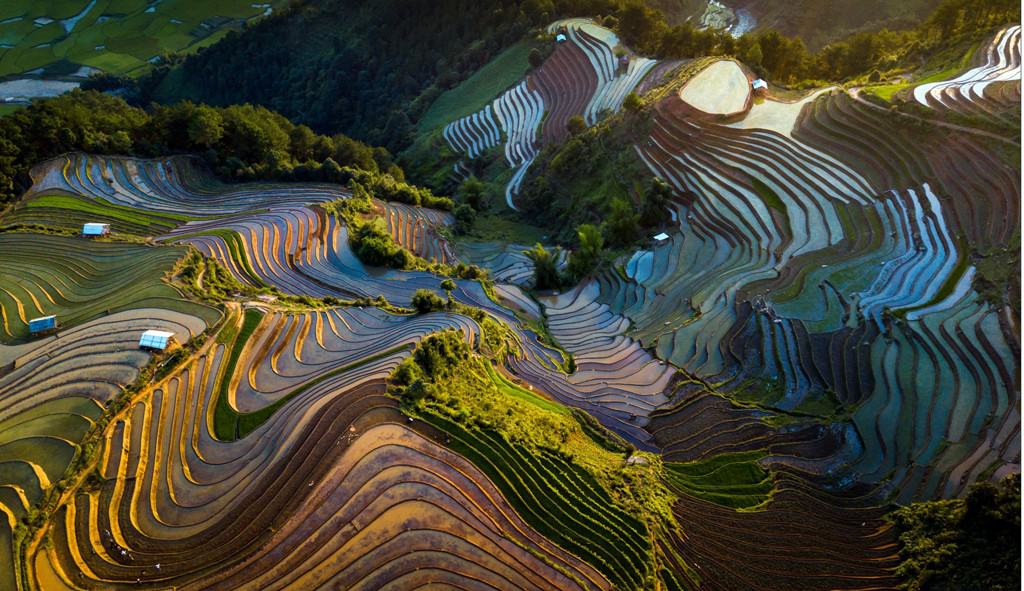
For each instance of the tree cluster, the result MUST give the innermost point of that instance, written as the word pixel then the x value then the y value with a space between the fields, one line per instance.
pixel 786 59
pixel 242 142
pixel 969 543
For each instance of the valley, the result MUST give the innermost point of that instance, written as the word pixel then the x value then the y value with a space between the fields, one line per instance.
pixel 603 318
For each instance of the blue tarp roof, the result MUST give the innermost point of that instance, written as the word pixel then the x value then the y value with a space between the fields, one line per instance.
pixel 155 339
pixel 42 323
pixel 93 229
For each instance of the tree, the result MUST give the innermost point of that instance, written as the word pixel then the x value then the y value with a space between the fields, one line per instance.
pixel 632 103
pixel 545 268
pixel 205 126
pixel 970 543
pixel 426 301
pixel 536 58
pixel 576 125
pixel 622 223
pixel 641 26
pixel 448 286
pixel 301 140
pixel 753 54
pixel 473 192
pixel 465 217
pixel 656 200
pixel 330 170
pixel 586 256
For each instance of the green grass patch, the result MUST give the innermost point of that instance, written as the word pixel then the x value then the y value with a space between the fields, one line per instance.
pixel 505 227
pixel 8 108
pixel 732 480
pixel 225 419
pixel 62 211
pixel 944 66
pixel 507 388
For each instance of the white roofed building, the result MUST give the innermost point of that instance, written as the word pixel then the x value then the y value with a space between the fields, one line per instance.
pixel 156 339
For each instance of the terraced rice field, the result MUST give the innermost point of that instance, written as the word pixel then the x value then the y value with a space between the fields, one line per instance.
pixel 612 370
pixel 79 280
pixel 70 213
pixel 505 262
pixel 335 467
pixel 808 346
pixel 274 235
pixel 415 228
pixel 844 278
pixel 114 36
pixel 52 394
pixel 582 77
pixel 991 89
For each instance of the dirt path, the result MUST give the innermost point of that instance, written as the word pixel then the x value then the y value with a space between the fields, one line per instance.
pixel 855 93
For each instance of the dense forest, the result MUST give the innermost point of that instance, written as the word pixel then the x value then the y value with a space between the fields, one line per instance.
pixel 240 142
pixel 349 65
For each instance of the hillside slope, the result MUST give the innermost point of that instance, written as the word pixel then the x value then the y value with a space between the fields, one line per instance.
pixel 819 23
pixel 349 65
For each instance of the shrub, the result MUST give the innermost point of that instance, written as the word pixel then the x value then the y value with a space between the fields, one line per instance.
pixel 970 543
pixel 576 125
pixel 465 217
pixel 536 58
pixel 632 103
pixel 426 301
pixel 473 192
pixel 374 246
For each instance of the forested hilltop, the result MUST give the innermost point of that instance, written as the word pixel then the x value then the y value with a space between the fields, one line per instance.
pixel 238 143
pixel 371 70
pixel 350 65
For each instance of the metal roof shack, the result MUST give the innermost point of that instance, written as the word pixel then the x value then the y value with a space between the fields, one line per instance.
pixel 661 238
pixel 560 38
pixel 759 84
pixel 94 229
pixel 42 324
pixel 156 340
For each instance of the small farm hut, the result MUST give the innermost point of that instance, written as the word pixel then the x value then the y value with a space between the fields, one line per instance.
pixel 42 324
pixel 560 38
pixel 661 238
pixel 156 340
pixel 759 85
pixel 95 229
